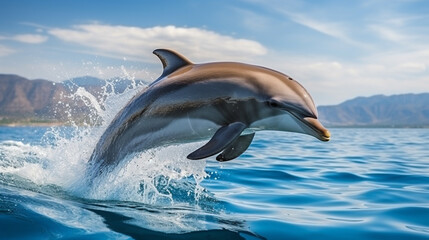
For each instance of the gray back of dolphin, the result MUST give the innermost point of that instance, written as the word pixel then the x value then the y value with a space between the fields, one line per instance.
pixel 225 102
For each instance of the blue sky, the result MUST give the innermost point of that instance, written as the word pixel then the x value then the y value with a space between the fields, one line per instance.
pixel 337 49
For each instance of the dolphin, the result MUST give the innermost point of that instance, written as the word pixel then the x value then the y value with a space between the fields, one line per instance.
pixel 222 102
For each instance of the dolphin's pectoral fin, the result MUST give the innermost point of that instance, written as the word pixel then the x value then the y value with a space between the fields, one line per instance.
pixel 236 148
pixel 223 137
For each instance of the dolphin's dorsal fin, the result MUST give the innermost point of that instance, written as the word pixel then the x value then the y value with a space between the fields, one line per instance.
pixel 171 60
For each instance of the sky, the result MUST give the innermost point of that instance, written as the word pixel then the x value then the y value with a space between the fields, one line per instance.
pixel 336 49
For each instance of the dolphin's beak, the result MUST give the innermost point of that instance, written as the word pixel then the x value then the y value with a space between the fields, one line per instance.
pixel 307 119
pixel 317 129
pixel 311 126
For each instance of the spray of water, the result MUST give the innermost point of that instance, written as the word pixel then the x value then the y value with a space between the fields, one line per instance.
pixel 159 176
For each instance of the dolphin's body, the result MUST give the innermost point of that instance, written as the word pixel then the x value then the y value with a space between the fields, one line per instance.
pixel 225 102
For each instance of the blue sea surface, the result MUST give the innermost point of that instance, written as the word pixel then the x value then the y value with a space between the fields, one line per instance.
pixel 363 184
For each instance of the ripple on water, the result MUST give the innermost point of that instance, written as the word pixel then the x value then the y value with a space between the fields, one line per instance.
pixel 392 196
pixel 410 215
pixel 263 178
pixel 342 177
pixel 398 178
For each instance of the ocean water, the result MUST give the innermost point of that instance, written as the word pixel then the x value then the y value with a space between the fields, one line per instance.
pixel 363 184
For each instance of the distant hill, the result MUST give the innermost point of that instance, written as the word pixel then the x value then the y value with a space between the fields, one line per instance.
pixel 21 98
pixel 25 101
pixel 405 110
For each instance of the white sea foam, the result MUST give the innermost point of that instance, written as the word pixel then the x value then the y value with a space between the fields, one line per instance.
pixel 158 176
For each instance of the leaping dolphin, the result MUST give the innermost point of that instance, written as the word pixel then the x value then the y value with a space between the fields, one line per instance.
pixel 225 102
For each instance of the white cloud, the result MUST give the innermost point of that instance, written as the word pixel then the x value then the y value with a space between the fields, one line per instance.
pixel 330 29
pixel 26 38
pixel 5 51
pixel 136 43
pixel 413 67
pixel 333 29
pixel 30 38
pixel 307 15
pixel 390 33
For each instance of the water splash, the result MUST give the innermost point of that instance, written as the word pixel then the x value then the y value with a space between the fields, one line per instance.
pixel 160 176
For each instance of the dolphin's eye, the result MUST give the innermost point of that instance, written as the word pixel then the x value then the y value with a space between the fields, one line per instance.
pixel 273 103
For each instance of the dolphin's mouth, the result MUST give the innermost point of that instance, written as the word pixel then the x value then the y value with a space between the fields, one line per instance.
pixel 323 134
pixel 314 126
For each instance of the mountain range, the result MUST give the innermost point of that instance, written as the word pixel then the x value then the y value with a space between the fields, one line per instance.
pixel 404 110
pixel 24 101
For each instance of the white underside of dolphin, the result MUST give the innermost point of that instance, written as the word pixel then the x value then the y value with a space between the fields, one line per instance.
pixel 224 103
